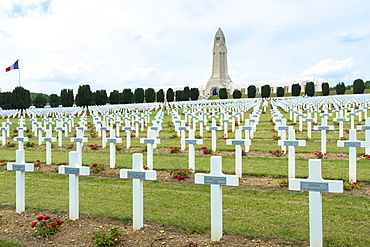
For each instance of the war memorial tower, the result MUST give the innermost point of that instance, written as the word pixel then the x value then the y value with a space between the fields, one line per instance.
pixel 220 74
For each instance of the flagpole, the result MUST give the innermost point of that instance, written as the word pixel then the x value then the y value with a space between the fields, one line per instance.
pixel 19 73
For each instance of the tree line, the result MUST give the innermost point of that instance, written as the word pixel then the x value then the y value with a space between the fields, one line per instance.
pixel 21 98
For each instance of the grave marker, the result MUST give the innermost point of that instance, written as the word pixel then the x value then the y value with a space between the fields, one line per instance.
pixel 20 167
pixel 74 170
pixel 48 139
pixel 238 142
pixel 112 140
pixel 138 174
pixel 150 141
pixel 191 142
pixel 315 184
pixel 216 178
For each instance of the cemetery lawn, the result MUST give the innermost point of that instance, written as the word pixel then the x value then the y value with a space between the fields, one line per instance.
pixel 259 212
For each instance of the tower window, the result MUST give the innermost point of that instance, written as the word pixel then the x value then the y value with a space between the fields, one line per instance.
pixel 217 38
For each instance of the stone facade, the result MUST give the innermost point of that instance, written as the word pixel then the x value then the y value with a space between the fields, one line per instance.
pixel 220 73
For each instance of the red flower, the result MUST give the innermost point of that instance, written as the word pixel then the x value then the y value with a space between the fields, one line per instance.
pixel 178 177
pixel 46 217
pixel 38 161
pixel 171 173
pixel 33 224
pixel 40 218
pixel 59 222
pixel 203 148
pixel 94 165
pixel 53 224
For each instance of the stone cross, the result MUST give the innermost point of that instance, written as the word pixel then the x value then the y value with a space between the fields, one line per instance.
pixel 48 139
pixel 301 115
pixel 216 178
pixel 352 115
pixel 324 127
pixel 340 119
pixel 291 143
pixel 39 130
pixel 66 128
pixel 315 184
pixel 112 140
pixel 352 144
pixel 3 129
pixel 248 128
pixel 366 127
pixel 128 129
pixel 59 128
pixel 225 122
pixel 309 121
pixel 79 139
pixel 282 128
pixel 74 169
pixel 138 174
pixel 103 129
pixel 238 142
pixel 182 130
pixel 20 167
pixel 201 124
pixel 20 139
pixel 213 129
pixel 118 124
pixel 150 141
pixel 191 142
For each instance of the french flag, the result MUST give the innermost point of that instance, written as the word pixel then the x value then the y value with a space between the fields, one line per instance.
pixel 14 66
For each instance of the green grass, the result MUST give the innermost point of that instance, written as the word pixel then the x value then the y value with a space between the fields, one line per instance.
pixel 251 213
pixel 9 244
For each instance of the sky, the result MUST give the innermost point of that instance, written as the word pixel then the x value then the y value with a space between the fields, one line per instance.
pixel 117 44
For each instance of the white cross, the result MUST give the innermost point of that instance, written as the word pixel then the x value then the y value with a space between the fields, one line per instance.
pixel 282 127
pixel 366 127
pixel 291 143
pixel 150 141
pixel 341 119
pixel 216 178
pixel 3 129
pixel 138 174
pixel 182 130
pixel 324 127
pixel 191 142
pixel 103 130
pixel 20 166
pixel 352 143
pixel 315 184
pixel 213 129
pixel 20 139
pixel 112 140
pixel 48 139
pixel 128 129
pixel 309 121
pixel 238 142
pixel 248 128
pixel 79 139
pixel 59 128
pixel 74 169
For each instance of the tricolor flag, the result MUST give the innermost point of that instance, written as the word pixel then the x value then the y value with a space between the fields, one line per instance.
pixel 14 66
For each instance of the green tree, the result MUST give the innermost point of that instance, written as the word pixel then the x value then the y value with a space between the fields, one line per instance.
pixel 40 101
pixel 160 96
pixel 186 93
pixel 54 100
pixel 20 98
pixel 296 90
pixel 5 100
pixel 222 93
pixel 179 95
pixel 127 96
pixel 149 95
pixel 139 95
pixel 237 94
pixel 84 96
pixel 325 89
pixel 310 89
pixel 251 91
pixel 194 93
pixel 170 96
pixel 265 91
pixel 114 97
pixel 358 86
pixel 280 92
pixel 340 88
pixel 66 97
pixel 101 97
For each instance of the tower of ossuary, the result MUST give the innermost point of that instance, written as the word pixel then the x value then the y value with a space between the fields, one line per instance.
pixel 220 74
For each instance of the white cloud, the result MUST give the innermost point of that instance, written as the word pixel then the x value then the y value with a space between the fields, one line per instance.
pixel 331 68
